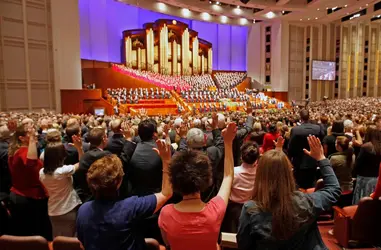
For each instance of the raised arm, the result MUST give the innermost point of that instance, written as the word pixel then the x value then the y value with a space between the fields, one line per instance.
pixel 324 198
pixel 228 133
pixel 164 152
pixel 32 148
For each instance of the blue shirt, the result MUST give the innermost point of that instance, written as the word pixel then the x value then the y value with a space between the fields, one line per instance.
pixel 112 225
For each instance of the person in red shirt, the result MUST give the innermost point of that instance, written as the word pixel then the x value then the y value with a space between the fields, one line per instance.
pixel 29 199
pixel 192 224
pixel 377 191
pixel 270 137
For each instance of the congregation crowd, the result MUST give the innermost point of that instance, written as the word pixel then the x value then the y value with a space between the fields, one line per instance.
pixel 214 95
pixel 116 181
pixel 228 80
pixel 132 96
pixel 198 82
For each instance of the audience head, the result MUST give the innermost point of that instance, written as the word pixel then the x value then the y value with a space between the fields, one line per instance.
pixel 348 126
pixel 97 137
pixel 337 127
pixel 105 176
pixel 19 138
pixel 196 139
pixel 74 129
pixel 190 172
pixel 54 156
pixel 304 115
pixel 257 126
pixel 249 152
pixel 273 128
pixel 116 126
pixel 147 130
pixel 274 188
pixel 5 134
pixel 373 135
pixel 53 135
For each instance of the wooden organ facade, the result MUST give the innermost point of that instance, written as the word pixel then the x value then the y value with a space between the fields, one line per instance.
pixel 167 47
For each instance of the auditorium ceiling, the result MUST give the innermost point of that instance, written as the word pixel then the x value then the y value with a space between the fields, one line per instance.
pixel 237 12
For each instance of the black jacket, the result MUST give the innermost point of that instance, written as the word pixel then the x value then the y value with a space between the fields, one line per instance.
pixel 72 156
pixel 5 176
pixel 238 140
pixel 144 170
pixel 80 182
pixel 298 141
pixel 115 144
pixel 255 226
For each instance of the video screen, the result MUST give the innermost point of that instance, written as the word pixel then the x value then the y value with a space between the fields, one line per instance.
pixel 323 70
pixel 99 111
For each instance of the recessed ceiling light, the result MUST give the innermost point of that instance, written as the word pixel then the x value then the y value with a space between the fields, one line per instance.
pixel 301 19
pixel 238 6
pixel 186 12
pixel 205 16
pixel 366 4
pixel 254 21
pixel 282 11
pixel 318 9
pixel 316 18
pixel 210 2
pixel 224 19
pixel 217 3
pixel 327 8
pixel 346 5
pixel 162 6
pixel 308 19
pixel 270 14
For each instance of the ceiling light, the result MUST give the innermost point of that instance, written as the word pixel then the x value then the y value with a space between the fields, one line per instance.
pixel 224 19
pixel 282 11
pixel 318 9
pixel 237 11
pixel 366 4
pixel 210 2
pixel 254 21
pixel 308 19
pixel 333 9
pixel 218 3
pixel 243 21
pixel 379 16
pixel 301 19
pixel 238 6
pixel 205 16
pixel 360 8
pixel 162 6
pixel 174 22
pixel 327 8
pixel 270 14
pixel 316 18
pixel 186 12
pixel 346 5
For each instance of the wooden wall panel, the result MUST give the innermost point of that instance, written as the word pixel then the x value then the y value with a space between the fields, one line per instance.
pixel 83 101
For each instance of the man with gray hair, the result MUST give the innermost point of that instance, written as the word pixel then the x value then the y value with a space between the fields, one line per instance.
pixel 5 176
pixel 196 139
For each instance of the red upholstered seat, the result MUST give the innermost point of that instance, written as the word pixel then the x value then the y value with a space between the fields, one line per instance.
pixel 8 242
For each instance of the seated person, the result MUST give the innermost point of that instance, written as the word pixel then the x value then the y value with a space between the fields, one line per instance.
pixel 279 216
pixel 193 224
pixel 107 223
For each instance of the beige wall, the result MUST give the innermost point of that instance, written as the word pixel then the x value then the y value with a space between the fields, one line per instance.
pixel 31 74
pixel 288 58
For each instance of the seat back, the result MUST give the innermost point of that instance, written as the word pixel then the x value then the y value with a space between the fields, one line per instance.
pixel 9 242
pixel 66 243
pixel 366 221
pixel 231 219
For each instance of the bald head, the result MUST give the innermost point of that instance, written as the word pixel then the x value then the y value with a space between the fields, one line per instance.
pixel 116 125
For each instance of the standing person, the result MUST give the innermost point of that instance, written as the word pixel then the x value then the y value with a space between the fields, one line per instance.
pixel 279 216
pixel 112 224
pixel 58 180
pixel 270 137
pixel 193 224
pixel 29 198
pixel 304 165
pixel 329 141
pixel 343 162
pixel 5 176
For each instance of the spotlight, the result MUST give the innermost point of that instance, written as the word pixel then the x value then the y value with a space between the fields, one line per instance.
pixel 174 22
pixel 270 14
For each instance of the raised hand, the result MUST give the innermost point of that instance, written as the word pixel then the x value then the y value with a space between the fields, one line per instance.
pixel 77 141
pixel 316 149
pixel 31 132
pixel 182 131
pixel 126 130
pixel 279 143
pixel 214 121
pixel 229 132
pixel 164 151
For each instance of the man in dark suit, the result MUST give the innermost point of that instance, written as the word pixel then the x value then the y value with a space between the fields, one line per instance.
pixel 98 140
pixel 72 156
pixel 5 176
pixel 304 166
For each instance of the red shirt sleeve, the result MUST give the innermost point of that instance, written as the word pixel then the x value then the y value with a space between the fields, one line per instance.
pixel 377 192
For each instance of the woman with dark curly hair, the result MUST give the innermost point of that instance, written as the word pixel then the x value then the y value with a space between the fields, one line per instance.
pixel 192 224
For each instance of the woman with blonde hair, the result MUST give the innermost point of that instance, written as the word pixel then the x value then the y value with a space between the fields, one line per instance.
pixel 279 216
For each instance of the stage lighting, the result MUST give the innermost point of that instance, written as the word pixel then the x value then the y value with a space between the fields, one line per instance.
pixel 245 1
pixel 270 15
pixel 174 22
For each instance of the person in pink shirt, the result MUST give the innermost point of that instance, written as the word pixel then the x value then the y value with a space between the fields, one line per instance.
pixel 244 175
pixel 192 224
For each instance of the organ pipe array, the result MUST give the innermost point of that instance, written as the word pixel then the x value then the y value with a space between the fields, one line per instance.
pixel 167 47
